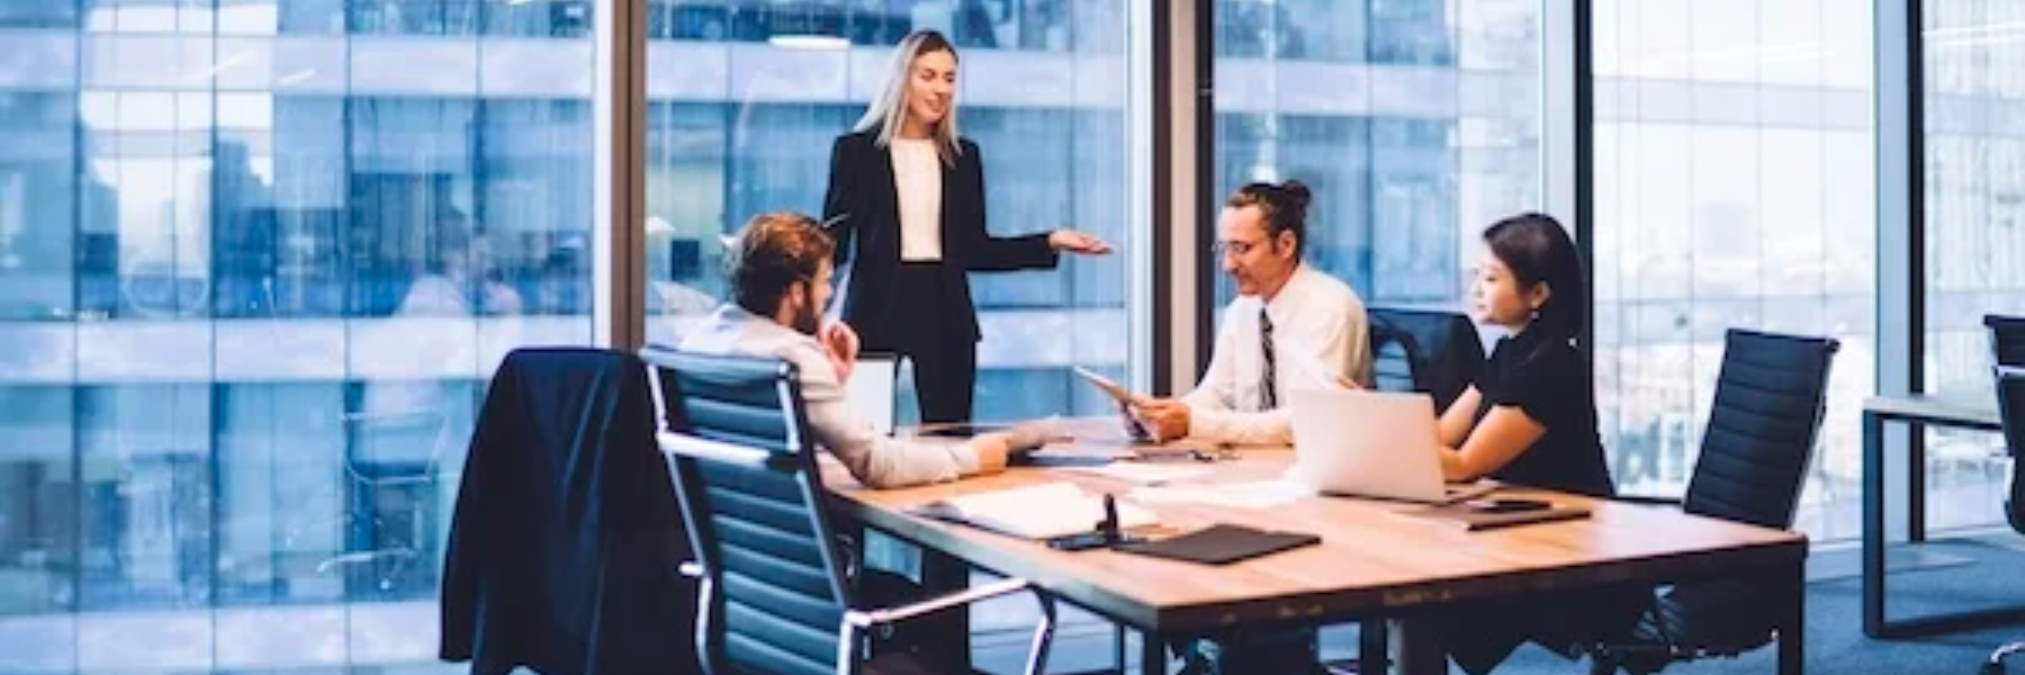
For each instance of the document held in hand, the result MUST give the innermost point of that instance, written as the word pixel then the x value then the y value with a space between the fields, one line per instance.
pixel 1117 392
pixel 1034 512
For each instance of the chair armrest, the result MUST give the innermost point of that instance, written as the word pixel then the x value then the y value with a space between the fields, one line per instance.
pixel 1649 501
pixel 1037 652
pixel 863 619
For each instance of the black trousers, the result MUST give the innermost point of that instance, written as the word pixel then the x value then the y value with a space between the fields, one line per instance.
pixel 934 335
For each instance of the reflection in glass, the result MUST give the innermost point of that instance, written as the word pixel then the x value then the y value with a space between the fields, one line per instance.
pixel 1719 205
pixel 1404 179
pixel 1051 127
pixel 255 271
pixel 1975 239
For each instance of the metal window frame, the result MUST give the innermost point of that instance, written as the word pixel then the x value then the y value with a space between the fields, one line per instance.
pixel 619 163
pixel 1182 126
pixel 1568 148
pixel 1898 111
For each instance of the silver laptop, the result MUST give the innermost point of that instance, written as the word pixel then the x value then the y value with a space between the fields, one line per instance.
pixel 873 390
pixel 1371 444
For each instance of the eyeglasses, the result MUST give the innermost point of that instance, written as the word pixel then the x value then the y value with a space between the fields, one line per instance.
pixel 1236 248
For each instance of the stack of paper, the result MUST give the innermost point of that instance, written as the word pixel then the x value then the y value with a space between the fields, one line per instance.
pixel 1035 512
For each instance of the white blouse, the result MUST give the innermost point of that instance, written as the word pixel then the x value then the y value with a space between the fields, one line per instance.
pixel 917 176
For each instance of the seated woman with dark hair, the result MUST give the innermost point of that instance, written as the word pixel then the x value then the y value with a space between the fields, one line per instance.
pixel 1530 419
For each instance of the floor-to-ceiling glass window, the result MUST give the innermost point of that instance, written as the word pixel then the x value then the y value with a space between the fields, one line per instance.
pixel 257 261
pixel 1975 233
pixel 1415 122
pixel 1733 160
pixel 746 97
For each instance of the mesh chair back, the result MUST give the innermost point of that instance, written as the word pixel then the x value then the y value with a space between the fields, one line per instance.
pixel 2011 406
pixel 1770 397
pixel 2007 339
pixel 1447 354
pixel 737 441
pixel 1392 359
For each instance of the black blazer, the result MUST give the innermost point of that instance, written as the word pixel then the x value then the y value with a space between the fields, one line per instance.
pixel 863 210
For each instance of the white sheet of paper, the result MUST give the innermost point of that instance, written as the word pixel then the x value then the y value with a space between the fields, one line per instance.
pixel 1143 474
pixel 1248 495
pixel 1043 511
pixel 1114 390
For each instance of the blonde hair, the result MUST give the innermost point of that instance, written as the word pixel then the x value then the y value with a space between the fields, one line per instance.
pixel 889 110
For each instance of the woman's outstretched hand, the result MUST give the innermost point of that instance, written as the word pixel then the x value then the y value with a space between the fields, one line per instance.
pixel 1077 242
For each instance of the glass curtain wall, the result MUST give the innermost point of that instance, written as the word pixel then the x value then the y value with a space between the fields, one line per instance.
pixel 256 267
pixel 1975 235
pixel 1733 168
pixel 745 98
pixel 1415 122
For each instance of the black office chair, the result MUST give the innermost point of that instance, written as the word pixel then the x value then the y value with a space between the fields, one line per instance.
pixel 1770 397
pixel 1392 358
pixel 2011 410
pixel 775 595
pixel 2007 339
pixel 1446 354
pixel 2007 350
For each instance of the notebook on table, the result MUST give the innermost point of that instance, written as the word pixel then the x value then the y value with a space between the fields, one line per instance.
pixel 1479 515
pixel 1222 544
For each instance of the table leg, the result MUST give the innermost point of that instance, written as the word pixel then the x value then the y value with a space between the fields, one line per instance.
pixel 1415 650
pixel 1371 646
pixel 1152 653
pixel 942 574
pixel 1873 525
pixel 1916 482
pixel 1118 646
pixel 1792 626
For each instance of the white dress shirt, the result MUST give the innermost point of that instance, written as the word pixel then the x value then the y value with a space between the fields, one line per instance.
pixel 1320 334
pixel 917 183
pixel 875 460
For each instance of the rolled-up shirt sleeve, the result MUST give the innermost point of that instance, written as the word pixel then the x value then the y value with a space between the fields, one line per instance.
pixel 875 460
pixel 1271 427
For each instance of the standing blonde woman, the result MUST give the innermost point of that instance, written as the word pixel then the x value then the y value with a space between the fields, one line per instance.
pixel 906 204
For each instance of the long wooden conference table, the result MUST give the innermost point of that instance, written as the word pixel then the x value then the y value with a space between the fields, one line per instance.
pixel 1372 564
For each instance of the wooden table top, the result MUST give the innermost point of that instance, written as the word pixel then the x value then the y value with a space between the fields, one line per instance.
pixel 1371 561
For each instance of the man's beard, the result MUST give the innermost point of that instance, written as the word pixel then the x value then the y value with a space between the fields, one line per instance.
pixel 807 319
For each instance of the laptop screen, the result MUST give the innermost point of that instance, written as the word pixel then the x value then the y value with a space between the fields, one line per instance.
pixel 872 390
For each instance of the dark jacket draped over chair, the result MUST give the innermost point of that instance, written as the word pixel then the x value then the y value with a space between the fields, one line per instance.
pixel 564 550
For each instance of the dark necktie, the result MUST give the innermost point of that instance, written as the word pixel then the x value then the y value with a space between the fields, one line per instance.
pixel 1269 397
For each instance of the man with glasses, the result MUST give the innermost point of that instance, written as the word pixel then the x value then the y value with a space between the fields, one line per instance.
pixel 1290 327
